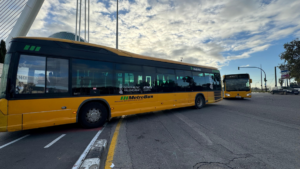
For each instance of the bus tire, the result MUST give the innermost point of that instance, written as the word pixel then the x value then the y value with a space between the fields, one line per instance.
pixel 199 102
pixel 93 115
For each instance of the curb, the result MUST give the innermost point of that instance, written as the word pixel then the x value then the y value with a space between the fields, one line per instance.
pixel 93 158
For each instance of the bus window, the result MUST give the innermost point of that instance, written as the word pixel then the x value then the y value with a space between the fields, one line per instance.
pixel 92 77
pixel 185 82
pixel 129 79
pixel 209 80
pixel 165 80
pixel 148 84
pixel 217 81
pixel 199 80
pixel 31 75
pixel 57 75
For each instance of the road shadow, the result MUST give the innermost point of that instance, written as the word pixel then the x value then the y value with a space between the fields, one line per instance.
pixel 242 99
pixel 158 114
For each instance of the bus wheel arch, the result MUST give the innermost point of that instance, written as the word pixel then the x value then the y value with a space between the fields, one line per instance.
pixel 202 98
pixel 98 101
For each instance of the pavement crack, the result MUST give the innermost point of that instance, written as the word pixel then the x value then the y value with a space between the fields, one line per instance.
pixel 200 164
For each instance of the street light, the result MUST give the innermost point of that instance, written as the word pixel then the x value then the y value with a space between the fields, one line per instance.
pixel 260 69
pixel 117 31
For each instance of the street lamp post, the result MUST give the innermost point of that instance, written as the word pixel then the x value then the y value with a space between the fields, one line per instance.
pixel 117 25
pixel 260 69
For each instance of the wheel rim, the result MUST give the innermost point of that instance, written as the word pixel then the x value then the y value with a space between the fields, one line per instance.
pixel 199 102
pixel 93 115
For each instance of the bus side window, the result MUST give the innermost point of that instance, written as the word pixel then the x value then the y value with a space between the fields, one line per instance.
pixel 209 81
pixel 165 81
pixel 148 84
pixel 199 80
pixel 129 79
pixel 57 75
pixel 185 82
pixel 31 75
pixel 92 77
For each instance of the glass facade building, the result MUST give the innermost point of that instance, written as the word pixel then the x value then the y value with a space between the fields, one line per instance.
pixel 66 35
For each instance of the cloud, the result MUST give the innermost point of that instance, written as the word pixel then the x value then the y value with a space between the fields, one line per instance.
pixel 200 32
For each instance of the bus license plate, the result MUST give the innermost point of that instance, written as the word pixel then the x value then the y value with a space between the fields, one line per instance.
pixel 238 97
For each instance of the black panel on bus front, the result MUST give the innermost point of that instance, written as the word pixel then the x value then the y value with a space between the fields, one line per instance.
pixel 69 50
pixel 236 76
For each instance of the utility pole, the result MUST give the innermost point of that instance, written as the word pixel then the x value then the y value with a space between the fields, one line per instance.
pixel 79 19
pixel 76 20
pixel 261 78
pixel 117 24
pixel 275 78
pixel 89 21
pixel 261 70
pixel 85 20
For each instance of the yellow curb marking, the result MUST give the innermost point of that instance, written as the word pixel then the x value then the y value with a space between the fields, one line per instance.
pixel 111 151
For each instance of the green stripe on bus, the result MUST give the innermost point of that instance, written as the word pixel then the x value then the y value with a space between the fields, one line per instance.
pixel 37 49
pixel 32 48
pixel 215 71
pixel 27 47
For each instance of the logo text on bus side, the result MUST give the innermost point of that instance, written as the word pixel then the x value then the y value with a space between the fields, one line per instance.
pixel 195 69
pixel 136 97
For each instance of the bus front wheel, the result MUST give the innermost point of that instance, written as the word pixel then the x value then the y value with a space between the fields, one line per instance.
pixel 199 102
pixel 93 115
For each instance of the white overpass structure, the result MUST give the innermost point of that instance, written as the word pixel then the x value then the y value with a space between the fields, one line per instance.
pixel 16 18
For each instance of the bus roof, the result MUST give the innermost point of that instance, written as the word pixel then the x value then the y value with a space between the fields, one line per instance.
pixel 117 51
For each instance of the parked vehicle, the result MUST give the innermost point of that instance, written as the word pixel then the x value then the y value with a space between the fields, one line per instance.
pixel 284 90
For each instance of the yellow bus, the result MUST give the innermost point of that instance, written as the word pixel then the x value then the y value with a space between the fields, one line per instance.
pixel 48 82
pixel 237 86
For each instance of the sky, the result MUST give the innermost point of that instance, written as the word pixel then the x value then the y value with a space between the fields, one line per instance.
pixel 222 33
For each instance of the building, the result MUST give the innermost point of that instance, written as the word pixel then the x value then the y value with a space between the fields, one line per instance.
pixel 66 35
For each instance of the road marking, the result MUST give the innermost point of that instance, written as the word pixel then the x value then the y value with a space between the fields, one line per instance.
pixel 111 151
pixel 54 141
pixel 83 155
pixel 195 127
pixel 13 141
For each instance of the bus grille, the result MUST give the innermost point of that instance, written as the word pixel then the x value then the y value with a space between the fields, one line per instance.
pixel 217 95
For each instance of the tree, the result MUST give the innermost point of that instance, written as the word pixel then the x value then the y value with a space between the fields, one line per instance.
pixel 280 81
pixel 291 56
pixel 2 51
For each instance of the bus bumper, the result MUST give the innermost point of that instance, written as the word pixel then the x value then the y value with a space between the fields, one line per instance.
pixel 237 95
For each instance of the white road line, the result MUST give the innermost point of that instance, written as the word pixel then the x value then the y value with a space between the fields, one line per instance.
pixel 195 127
pixel 83 155
pixel 54 141
pixel 13 141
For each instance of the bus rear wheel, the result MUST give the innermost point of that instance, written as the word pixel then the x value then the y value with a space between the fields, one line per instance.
pixel 93 115
pixel 199 102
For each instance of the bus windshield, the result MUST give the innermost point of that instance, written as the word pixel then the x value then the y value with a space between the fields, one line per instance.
pixel 237 84
pixel 4 75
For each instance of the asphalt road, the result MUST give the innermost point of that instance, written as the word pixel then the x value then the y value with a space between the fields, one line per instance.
pixel 262 132
pixel 32 151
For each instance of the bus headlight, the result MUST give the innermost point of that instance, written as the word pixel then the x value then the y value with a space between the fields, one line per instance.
pixel 227 94
pixel 249 94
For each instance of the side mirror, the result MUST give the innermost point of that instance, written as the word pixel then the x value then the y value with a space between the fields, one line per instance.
pixel 250 80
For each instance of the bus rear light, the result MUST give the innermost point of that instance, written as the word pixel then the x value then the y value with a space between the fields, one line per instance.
pixel 74 112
